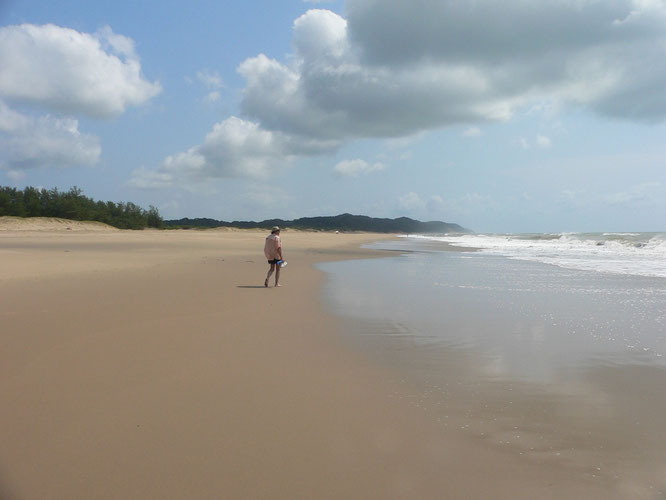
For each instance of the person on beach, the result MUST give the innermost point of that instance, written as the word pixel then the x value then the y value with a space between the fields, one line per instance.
pixel 273 252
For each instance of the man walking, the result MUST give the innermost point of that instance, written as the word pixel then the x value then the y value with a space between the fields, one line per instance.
pixel 273 252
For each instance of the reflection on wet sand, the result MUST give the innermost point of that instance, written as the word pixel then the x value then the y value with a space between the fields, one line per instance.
pixel 606 423
pixel 560 367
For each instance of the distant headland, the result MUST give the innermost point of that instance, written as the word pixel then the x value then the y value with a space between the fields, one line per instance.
pixel 342 222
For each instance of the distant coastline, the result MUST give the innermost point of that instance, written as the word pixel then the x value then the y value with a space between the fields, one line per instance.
pixel 342 222
pixel 32 202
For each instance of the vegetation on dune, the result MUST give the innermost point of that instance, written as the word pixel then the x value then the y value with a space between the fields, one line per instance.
pixel 72 204
pixel 343 222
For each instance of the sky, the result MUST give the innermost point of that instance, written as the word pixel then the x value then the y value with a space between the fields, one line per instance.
pixel 501 116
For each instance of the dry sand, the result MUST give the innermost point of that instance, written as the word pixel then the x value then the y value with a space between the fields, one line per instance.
pixel 23 224
pixel 154 364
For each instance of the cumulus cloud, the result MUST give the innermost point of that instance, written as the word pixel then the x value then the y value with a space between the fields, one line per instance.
pixel 27 142
pixel 355 168
pixel 146 178
pixel 411 202
pixel 391 68
pixel 328 92
pixel 212 81
pixel 67 71
pixel 234 148
pixel 64 73
pixel 606 55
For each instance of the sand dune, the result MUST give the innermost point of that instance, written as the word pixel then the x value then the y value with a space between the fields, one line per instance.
pixel 9 223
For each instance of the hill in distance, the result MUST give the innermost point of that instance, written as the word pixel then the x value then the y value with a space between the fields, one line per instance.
pixel 343 222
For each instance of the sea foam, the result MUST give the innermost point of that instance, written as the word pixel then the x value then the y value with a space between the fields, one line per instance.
pixel 636 254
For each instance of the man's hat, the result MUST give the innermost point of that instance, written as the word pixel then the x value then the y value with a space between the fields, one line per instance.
pixel 275 229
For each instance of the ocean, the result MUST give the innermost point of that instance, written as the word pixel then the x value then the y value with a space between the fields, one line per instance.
pixel 551 346
pixel 631 254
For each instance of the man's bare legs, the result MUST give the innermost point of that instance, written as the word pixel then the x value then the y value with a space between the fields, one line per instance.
pixel 274 268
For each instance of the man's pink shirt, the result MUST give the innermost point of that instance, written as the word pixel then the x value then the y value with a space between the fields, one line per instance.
pixel 271 247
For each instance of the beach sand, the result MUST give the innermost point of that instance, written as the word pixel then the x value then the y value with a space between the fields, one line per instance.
pixel 154 364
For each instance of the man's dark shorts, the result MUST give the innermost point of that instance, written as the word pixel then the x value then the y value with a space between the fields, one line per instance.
pixel 274 261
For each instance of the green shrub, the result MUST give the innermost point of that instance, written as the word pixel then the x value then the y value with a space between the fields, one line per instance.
pixel 72 204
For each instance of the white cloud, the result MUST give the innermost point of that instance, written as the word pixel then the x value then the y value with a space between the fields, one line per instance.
pixel 16 175
pixel 67 71
pixel 241 147
pixel 64 73
pixel 411 202
pixel 213 96
pixel 234 148
pixel 210 79
pixel 27 142
pixel 355 168
pixel 144 178
pixel 472 132
pixel 540 140
pixel 391 69
pixel 443 208
pixel 10 120
pixel 435 204
pixel 645 193
pixel 569 195
pixel 327 92
pixel 403 142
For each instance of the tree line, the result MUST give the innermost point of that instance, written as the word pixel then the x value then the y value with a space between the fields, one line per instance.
pixel 342 222
pixel 72 204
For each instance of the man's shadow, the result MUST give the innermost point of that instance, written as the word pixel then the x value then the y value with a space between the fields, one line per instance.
pixel 250 286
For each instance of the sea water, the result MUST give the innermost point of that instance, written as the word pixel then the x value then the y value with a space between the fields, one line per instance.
pixel 533 305
pixel 632 254
pixel 559 339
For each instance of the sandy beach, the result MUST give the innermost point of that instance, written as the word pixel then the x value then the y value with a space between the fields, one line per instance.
pixel 154 364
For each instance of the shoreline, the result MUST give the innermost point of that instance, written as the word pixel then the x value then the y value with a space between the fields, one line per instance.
pixel 156 364
pixel 529 358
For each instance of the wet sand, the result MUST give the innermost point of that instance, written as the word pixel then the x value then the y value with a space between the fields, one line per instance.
pixel 156 365
pixel 557 367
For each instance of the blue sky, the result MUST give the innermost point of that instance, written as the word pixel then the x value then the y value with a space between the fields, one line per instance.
pixel 512 116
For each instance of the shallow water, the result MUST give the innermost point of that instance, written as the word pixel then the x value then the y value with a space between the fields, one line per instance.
pixel 553 364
